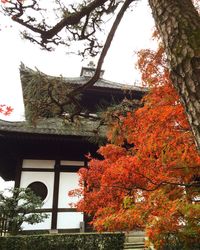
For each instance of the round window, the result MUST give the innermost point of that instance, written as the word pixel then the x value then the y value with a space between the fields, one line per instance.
pixel 39 188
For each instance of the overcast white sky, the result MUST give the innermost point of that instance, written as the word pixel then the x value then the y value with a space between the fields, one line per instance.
pixel 134 33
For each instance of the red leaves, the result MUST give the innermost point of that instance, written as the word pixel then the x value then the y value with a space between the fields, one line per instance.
pixel 5 110
pixel 112 152
pixel 152 67
pixel 149 184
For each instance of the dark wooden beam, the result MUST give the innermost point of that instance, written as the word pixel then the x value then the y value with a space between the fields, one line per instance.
pixel 55 195
pixel 18 173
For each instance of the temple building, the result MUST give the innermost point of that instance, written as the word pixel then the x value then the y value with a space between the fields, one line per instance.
pixel 45 151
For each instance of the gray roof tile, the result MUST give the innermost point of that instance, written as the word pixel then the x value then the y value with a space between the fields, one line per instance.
pixel 54 126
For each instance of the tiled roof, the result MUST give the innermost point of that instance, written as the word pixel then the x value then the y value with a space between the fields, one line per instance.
pixel 47 96
pixel 101 83
pixel 55 126
pixel 58 126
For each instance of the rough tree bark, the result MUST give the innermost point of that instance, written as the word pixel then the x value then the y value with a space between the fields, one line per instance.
pixel 178 23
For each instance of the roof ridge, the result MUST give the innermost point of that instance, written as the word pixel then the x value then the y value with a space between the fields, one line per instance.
pixel 101 82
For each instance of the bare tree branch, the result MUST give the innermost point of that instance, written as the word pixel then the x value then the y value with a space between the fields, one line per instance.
pixel 106 47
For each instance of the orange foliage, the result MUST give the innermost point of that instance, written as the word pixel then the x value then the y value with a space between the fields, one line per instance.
pixel 148 185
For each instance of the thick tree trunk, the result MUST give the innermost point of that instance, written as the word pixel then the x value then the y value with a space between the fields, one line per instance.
pixel 178 23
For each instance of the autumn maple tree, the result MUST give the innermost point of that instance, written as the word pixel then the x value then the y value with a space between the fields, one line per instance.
pixel 149 175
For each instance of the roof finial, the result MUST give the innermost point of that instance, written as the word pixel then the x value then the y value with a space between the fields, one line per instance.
pixel 89 71
pixel 91 64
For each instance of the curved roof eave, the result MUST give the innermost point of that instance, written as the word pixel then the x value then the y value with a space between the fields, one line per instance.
pixel 101 83
pixel 54 126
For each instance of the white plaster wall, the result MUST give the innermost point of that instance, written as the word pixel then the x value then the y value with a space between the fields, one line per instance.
pixel 46 177
pixel 69 220
pixel 68 182
pixel 47 164
pixel 72 163
pixel 46 224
